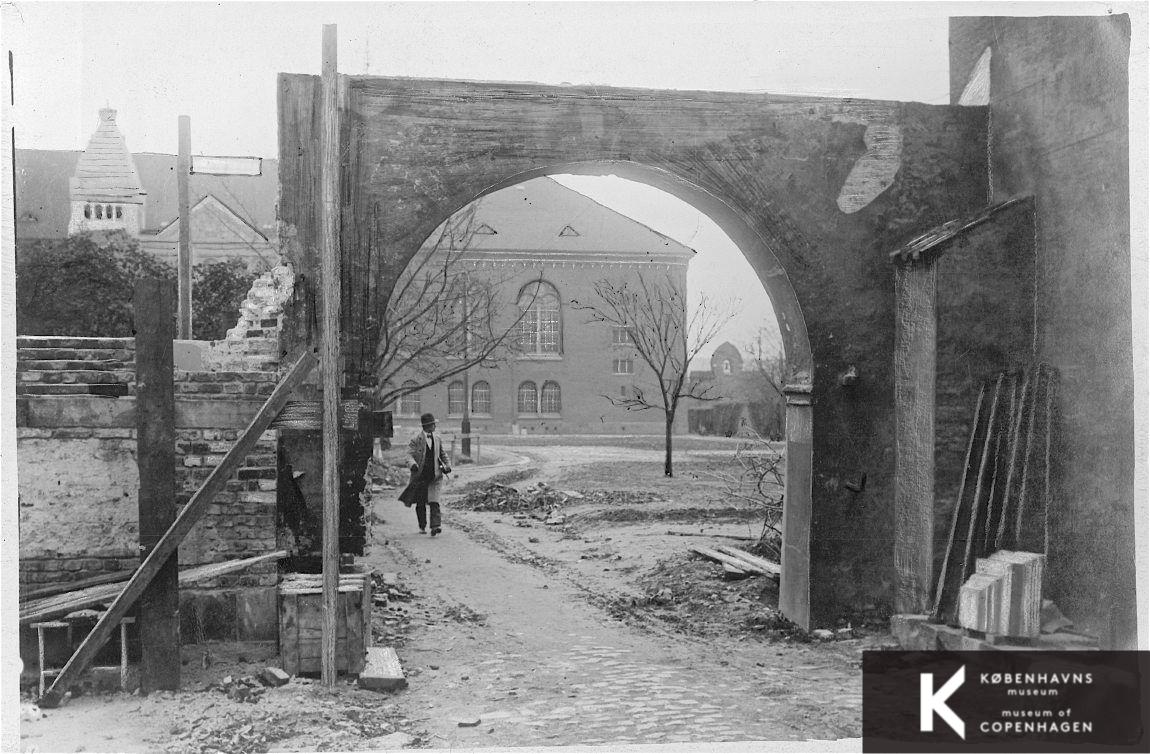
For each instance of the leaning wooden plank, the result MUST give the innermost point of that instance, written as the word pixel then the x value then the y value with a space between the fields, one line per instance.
pixel 761 563
pixel 67 603
pixel 958 520
pixel 75 586
pixel 178 530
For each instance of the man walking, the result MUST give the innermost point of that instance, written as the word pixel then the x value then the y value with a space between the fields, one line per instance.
pixel 428 465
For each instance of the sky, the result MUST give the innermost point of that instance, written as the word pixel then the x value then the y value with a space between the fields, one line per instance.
pixel 217 63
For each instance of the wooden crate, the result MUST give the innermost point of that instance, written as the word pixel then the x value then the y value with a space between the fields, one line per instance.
pixel 301 622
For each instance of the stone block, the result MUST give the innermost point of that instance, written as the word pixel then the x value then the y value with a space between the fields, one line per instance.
pixel 383 671
pixel 274 676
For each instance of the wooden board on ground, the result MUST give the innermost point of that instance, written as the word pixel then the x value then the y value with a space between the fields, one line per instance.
pixel 382 671
pixel 762 564
pixel 719 557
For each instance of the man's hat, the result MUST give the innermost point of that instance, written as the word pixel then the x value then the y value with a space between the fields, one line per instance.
pixel 427 419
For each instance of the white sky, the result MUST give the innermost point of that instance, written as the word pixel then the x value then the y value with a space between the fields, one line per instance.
pixel 217 62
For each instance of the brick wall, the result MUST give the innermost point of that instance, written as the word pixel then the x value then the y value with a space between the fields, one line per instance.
pixel 1059 131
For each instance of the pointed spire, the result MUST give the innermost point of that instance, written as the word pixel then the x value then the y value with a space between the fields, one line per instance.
pixel 105 171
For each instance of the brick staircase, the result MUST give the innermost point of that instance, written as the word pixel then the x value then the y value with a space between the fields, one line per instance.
pixel 62 365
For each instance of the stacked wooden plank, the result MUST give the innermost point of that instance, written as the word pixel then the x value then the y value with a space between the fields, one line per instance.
pixel 738 561
pixel 62 604
pixel 1004 596
pixel 301 622
pixel 1004 495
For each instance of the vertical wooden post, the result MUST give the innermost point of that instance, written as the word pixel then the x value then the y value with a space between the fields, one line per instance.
pixel 184 247
pixel 914 379
pixel 329 353
pixel 156 458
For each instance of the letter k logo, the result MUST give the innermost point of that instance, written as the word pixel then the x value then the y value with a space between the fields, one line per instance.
pixel 931 701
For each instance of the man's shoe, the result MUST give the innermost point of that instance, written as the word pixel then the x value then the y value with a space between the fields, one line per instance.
pixel 435 531
pixel 423 531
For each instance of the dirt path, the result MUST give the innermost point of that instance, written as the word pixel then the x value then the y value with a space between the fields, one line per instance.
pixel 512 640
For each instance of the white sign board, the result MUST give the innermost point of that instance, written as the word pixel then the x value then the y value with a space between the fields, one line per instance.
pixel 227 165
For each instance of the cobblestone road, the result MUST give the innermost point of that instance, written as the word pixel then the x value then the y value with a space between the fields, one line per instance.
pixel 544 667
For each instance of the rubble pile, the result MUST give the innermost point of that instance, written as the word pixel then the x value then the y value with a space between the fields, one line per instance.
pixel 541 500
pixel 385 476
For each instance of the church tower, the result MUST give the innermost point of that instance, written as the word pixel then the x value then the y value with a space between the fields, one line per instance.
pixel 105 191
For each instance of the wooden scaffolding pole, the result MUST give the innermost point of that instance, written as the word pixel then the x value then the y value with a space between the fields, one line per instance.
pixel 159 621
pixel 329 348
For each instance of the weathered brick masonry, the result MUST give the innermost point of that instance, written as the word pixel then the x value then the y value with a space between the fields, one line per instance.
pixel 76 449
pixel 1059 131
pixel 815 191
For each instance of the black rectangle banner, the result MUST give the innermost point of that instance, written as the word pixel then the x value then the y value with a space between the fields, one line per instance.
pixel 1007 701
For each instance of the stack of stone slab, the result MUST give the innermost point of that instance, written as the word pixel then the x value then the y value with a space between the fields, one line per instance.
pixel 1003 598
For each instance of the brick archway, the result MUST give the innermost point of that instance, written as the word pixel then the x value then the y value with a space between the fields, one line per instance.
pixel 815 191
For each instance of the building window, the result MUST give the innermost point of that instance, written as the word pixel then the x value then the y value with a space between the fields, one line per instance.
pixel 119 211
pixel 726 366
pixel 624 366
pixel 455 395
pixel 550 401
pixel 621 336
pixel 99 211
pixel 87 211
pixel 481 398
pixel 409 403
pixel 540 331
pixel 108 211
pixel 528 399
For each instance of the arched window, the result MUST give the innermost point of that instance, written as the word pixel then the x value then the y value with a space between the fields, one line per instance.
pixel 550 401
pixel 455 395
pixel 481 398
pixel 540 331
pixel 726 366
pixel 409 403
pixel 99 211
pixel 528 401
pixel 119 211
pixel 87 211
pixel 108 211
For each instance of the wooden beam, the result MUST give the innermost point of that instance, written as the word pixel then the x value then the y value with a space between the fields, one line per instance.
pixel 159 618
pixel 179 529
pixel 184 246
pixel 330 366
pixel 80 598
pixel 915 352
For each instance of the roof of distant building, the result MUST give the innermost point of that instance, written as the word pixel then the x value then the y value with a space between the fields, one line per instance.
pixel 541 215
pixel 104 171
pixel 43 203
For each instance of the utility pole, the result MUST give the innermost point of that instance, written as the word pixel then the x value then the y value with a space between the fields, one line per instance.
pixel 184 247
pixel 329 346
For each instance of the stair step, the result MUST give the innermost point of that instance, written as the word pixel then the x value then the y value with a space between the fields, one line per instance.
pixel 62 365
pixel 68 341
pixel 114 390
pixel 126 355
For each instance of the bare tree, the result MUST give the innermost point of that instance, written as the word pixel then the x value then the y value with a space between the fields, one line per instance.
pixel 441 320
pixel 757 478
pixel 665 335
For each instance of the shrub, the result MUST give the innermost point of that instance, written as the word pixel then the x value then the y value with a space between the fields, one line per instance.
pixel 83 286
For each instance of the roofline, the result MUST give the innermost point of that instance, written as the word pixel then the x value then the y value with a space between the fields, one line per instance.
pixel 631 219
pixel 940 235
pixel 226 206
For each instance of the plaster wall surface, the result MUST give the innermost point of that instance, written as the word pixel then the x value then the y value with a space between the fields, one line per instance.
pixel 770 170
pixel 1059 130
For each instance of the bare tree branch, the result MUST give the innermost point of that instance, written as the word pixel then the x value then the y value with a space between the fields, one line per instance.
pixel 664 335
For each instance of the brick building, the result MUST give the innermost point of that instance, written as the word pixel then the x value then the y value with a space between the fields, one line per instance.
pixel 106 187
pixel 545 244
pixel 743 395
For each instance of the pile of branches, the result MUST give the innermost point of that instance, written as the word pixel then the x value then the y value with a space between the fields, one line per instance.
pixel 502 498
